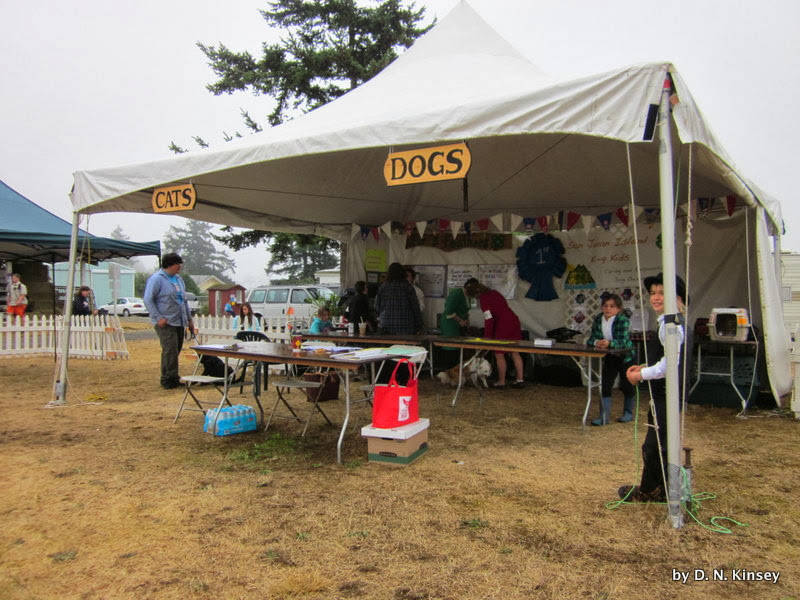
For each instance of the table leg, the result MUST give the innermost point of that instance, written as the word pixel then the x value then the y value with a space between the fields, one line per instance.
pixel 346 415
pixel 259 369
pixel 733 383
pixel 224 398
pixel 588 390
pixel 699 370
pixel 460 375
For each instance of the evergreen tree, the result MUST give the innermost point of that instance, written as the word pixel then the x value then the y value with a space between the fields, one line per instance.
pixel 295 256
pixel 194 242
pixel 331 46
pixel 119 234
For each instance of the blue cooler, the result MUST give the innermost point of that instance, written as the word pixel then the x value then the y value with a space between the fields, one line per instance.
pixel 232 419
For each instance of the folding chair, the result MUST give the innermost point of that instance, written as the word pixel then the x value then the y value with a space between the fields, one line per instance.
pixel 291 380
pixel 194 381
pixel 251 336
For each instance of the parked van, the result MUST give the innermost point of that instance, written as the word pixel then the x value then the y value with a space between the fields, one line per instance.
pixel 275 300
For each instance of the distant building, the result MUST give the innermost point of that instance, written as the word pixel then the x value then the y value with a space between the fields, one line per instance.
pixel 97 278
pixel 204 282
pixel 328 277
pixel 218 297
pixel 790 262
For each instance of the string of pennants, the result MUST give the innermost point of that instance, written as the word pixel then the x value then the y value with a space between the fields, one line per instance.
pixel 560 221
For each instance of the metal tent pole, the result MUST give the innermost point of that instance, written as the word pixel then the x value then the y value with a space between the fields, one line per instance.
pixel 60 384
pixel 672 341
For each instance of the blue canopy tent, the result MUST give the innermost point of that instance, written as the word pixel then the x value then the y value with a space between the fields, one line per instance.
pixel 29 232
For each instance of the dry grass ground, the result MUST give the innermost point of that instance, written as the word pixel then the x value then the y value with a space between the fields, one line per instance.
pixel 111 500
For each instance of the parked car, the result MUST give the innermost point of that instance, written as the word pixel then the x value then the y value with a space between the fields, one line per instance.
pixel 125 307
pixel 194 302
pixel 275 300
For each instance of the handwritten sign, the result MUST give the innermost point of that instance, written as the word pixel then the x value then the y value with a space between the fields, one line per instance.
pixel 431 278
pixel 375 260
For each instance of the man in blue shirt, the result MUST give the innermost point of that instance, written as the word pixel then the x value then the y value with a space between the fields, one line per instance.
pixel 165 298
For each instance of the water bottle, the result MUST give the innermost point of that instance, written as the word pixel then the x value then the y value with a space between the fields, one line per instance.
pixel 351 329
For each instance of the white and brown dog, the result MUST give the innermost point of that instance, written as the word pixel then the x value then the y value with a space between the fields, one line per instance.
pixel 476 370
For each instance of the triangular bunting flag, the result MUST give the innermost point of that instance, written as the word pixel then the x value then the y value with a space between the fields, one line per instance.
pixel 542 223
pixel 730 204
pixel 454 227
pixel 444 224
pixel 528 223
pixel 468 227
pixel 376 233
pixel 497 221
pixel 483 224
pixel 572 218
pixel 588 222
pixel 514 221
pixel 558 220
pixel 355 229
pixel 421 228
pixel 408 229
pixel 387 229
pixel 605 220
pixel 622 215
pixel 650 215
pixel 364 231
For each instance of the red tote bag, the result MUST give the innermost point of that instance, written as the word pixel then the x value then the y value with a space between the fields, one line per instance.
pixel 393 404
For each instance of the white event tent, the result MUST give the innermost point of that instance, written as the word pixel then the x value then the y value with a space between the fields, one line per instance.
pixel 538 146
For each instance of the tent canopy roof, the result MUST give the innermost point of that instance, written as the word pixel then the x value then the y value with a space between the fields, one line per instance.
pixel 538 146
pixel 29 232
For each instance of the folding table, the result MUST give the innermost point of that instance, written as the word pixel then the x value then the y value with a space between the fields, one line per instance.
pixel 273 353
pixel 574 351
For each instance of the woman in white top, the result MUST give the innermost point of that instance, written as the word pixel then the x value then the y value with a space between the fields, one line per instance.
pixel 246 320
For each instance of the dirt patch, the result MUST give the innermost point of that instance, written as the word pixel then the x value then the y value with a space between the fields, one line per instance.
pixel 107 498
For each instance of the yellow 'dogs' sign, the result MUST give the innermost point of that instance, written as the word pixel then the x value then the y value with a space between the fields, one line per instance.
pixel 174 198
pixel 437 163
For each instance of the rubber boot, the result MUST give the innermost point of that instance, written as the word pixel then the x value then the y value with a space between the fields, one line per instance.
pixel 605 412
pixel 627 412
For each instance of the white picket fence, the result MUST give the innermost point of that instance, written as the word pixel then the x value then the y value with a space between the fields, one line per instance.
pixel 277 329
pixel 97 337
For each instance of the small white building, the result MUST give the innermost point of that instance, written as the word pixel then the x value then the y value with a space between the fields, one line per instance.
pixel 328 277
pixel 790 266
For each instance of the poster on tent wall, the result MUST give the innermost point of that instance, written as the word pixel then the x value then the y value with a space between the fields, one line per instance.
pixel 432 279
pixel 606 259
pixel 457 275
pixel 500 277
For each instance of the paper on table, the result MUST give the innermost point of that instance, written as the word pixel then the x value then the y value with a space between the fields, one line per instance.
pixel 361 354
pixel 484 341
pixel 318 345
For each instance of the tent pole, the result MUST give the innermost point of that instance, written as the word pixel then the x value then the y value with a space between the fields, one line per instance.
pixel 672 342
pixel 55 302
pixel 60 384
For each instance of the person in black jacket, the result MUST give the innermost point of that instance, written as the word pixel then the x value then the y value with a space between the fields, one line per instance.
pixel 82 303
pixel 358 307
